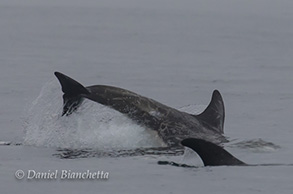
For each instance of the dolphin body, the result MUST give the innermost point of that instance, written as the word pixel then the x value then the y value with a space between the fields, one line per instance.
pixel 172 125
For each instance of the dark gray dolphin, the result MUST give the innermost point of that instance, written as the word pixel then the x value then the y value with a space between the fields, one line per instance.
pixel 212 154
pixel 172 125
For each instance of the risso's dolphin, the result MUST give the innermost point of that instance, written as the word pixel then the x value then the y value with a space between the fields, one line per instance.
pixel 212 154
pixel 172 125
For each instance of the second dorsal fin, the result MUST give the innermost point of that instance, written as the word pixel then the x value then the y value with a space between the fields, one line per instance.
pixel 211 154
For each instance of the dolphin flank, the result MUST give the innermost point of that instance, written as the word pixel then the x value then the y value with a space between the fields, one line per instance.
pixel 172 125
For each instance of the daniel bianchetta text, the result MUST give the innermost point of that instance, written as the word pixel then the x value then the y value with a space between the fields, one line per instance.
pixel 61 175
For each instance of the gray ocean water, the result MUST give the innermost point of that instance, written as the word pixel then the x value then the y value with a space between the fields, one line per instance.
pixel 174 52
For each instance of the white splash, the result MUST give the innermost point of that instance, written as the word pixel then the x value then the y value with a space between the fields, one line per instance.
pixel 91 126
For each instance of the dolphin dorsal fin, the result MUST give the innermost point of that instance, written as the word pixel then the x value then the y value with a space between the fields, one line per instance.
pixel 214 114
pixel 211 154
